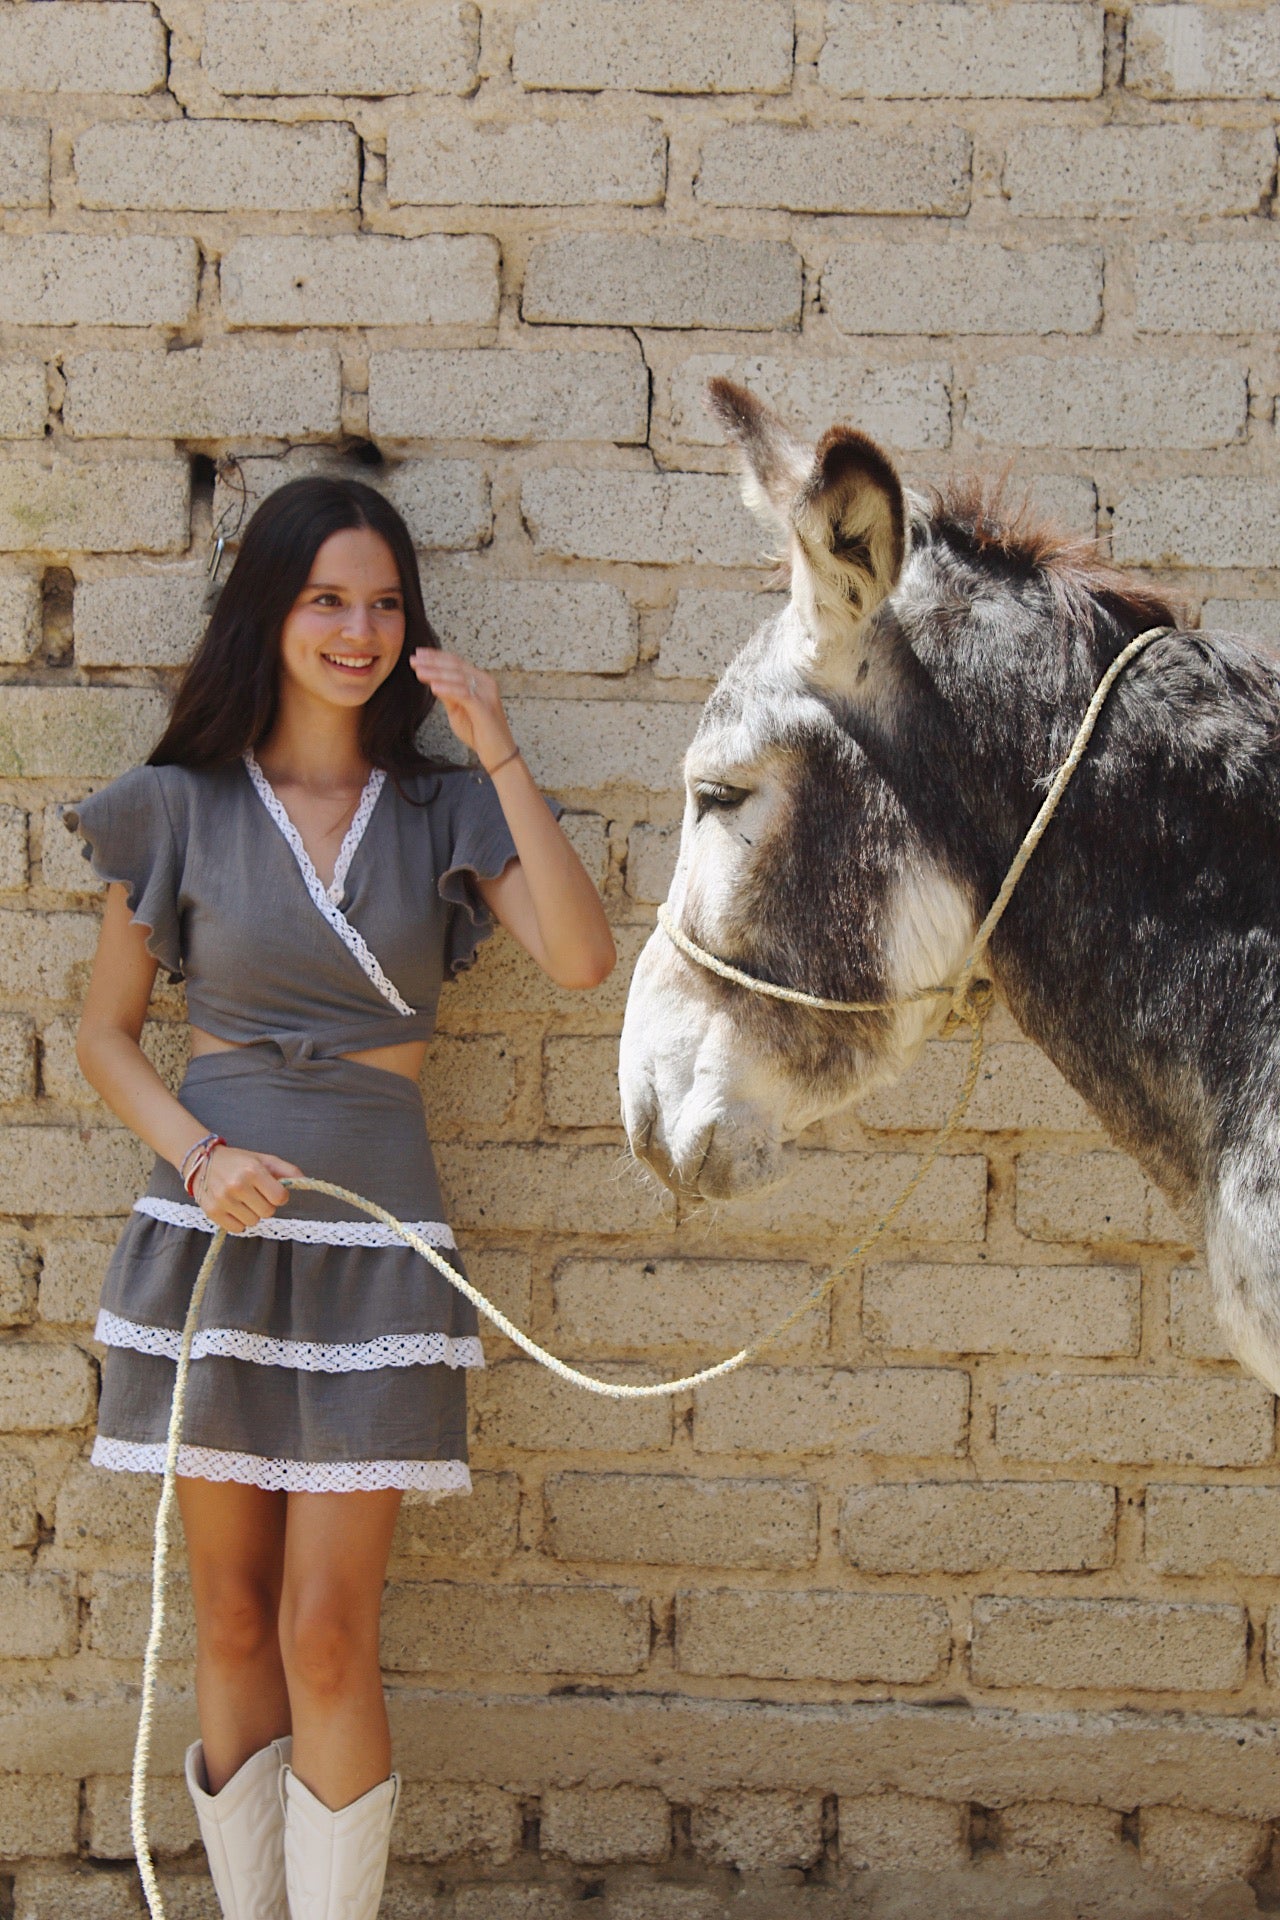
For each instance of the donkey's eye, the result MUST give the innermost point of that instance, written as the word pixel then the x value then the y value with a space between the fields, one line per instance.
pixel 713 793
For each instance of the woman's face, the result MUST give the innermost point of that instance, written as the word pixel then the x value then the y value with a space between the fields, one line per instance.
pixel 343 633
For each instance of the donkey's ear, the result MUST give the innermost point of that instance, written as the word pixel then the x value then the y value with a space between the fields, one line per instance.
pixel 843 507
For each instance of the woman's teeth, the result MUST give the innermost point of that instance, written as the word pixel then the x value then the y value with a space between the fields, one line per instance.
pixel 350 662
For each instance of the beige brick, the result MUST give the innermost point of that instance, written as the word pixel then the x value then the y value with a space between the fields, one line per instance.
pixel 13 846
pixel 1066 500
pixel 907 406
pixel 518 1404
pixel 85 279
pixel 963 51
pixel 902 286
pixel 120 1613
pixel 95 506
pixel 264 47
pixel 441 1822
pixel 89 732
pixel 1120 1418
pixel 444 503
pixel 139 619
pixel 887 1832
pixel 81 48
pixel 676 1303
pixel 97 1511
pixel 651 861
pixel 71 1275
pixel 995 1309
pixel 18 1268
pixel 361 280
pixel 533 626
pixel 659 519
pixel 1117 173
pixel 588 833
pixel 1092 1196
pixel 1136 1645
pixel 39 1814
pixel 470 1082
pixel 45 954
pixel 203 393
pixel 1199 1529
pixel 598 1826
pixel 17 1058
pixel 501 394
pixel 879 1410
pixel 1199 53
pixel 510 1902
pixel 674 46
pixel 825 1193
pixel 595 744
pixel 57 1892
pixel 434 1627
pixel 39 1617
pixel 24 163
pixel 104 1167
pixel 485 1526
pixel 812 1635
pixel 747 1830
pixel 1120 402
pixel 580 1081
pixel 24 403
pixel 707 629
pixel 1202 1849
pixel 836 169
pixel 453 159
pixel 669 1520
pixel 966 1528
pixel 1220 286
pixel 18 1518
pixel 1041 1838
pixel 1194 1328
pixel 1018 1088
pixel 1192 522
pixel 639 280
pixel 20 618
pixel 531 1188
pixel 507 982
pixel 171 1818
pixel 1259 619
pixel 217 166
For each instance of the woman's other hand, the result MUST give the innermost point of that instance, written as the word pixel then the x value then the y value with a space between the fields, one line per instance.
pixel 471 702
pixel 238 1188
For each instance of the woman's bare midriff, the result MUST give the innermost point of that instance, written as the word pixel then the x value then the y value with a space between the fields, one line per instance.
pixel 405 1059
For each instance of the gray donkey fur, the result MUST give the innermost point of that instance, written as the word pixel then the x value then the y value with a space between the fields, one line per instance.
pixel 856 789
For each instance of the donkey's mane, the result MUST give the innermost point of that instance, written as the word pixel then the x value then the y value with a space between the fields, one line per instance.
pixel 973 515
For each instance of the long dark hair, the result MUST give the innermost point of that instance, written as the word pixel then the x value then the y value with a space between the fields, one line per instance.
pixel 229 696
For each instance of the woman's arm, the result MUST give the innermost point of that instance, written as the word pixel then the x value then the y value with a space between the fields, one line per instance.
pixel 239 1187
pixel 546 898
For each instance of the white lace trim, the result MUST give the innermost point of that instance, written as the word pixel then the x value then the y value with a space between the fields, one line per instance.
pixel 286 1476
pixel 312 1233
pixel 354 834
pixel 323 899
pixel 305 1356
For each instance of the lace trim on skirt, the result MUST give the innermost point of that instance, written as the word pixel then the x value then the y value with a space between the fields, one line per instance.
pixel 287 1476
pixel 307 1356
pixel 312 1233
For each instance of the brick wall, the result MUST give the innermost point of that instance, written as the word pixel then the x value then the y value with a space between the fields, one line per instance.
pixel 976 1578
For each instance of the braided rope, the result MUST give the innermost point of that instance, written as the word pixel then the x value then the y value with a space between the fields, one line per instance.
pixel 970 1005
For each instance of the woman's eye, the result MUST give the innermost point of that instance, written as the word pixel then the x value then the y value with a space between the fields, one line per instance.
pixel 715 794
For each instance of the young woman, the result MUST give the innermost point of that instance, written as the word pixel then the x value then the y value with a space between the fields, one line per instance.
pixel 290 853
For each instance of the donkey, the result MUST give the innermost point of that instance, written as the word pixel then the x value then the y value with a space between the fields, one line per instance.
pixel 856 789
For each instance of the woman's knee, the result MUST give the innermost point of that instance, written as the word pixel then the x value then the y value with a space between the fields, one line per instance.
pixel 329 1641
pixel 236 1618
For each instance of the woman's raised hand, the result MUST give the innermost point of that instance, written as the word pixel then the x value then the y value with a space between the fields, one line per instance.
pixel 238 1188
pixel 471 701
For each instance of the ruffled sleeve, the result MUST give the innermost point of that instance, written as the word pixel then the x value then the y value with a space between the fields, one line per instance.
pixel 481 847
pixel 128 835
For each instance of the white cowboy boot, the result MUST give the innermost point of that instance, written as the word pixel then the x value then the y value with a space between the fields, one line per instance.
pixel 335 1863
pixel 243 1832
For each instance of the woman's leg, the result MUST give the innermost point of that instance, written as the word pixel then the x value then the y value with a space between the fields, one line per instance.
pixel 335 1564
pixel 235 1547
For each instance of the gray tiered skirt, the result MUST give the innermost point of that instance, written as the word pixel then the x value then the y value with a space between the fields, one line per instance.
pixel 329 1356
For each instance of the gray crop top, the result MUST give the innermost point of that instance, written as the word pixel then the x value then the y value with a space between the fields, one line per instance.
pixel 218 873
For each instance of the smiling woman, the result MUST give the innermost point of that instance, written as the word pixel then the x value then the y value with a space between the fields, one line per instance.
pixel 292 855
